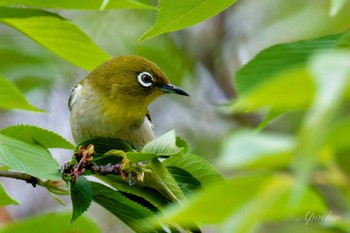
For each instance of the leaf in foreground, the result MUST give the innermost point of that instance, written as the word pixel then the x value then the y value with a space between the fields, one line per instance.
pixel 28 158
pixel 176 15
pixel 56 34
pixel 81 195
pixel 12 98
pixel 36 135
pixel 51 222
pixel 5 199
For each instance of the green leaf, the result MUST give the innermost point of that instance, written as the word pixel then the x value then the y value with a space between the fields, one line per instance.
pixel 176 15
pixel 81 195
pixel 338 137
pixel 165 145
pixel 5 199
pixel 56 34
pixel 253 149
pixel 185 180
pixel 51 222
pixel 12 98
pixel 80 4
pixel 162 180
pixel 195 165
pixel 242 202
pixel 150 195
pixel 336 6
pixel 35 135
pixel 126 210
pixel 28 158
pixel 274 60
pixel 280 93
pixel 135 157
pixel 271 202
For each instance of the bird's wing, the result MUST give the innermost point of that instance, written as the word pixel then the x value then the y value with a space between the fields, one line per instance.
pixel 74 95
pixel 148 115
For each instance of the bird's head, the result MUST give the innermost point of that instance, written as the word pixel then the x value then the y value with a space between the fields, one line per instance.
pixel 131 80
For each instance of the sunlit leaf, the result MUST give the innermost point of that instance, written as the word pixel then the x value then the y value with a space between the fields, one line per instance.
pixel 270 62
pixel 81 195
pixel 12 98
pixel 176 15
pixel 252 149
pixel 195 165
pixel 56 34
pixel 51 222
pixel 336 6
pixel 165 145
pixel 80 4
pixel 33 134
pixel 28 158
pixel 5 199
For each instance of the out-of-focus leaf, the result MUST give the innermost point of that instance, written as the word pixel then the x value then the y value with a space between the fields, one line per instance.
pixel 126 210
pixel 35 135
pixel 274 60
pixel 338 136
pixel 291 89
pixel 28 158
pixel 164 145
pixel 242 202
pixel 176 15
pixel 80 4
pixel 12 98
pixel 195 165
pixel 56 34
pixel 51 222
pixel 272 201
pixel 253 149
pixel 5 199
pixel 336 6
pixel 81 195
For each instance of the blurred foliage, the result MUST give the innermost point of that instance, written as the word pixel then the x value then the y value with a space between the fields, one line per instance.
pixel 286 162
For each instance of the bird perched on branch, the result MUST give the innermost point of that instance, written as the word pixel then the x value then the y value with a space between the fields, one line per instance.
pixel 112 101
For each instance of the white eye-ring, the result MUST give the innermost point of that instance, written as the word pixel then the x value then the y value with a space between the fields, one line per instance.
pixel 145 79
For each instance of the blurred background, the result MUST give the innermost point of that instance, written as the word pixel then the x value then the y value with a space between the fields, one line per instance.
pixel 201 59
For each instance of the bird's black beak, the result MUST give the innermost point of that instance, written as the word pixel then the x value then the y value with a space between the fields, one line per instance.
pixel 169 88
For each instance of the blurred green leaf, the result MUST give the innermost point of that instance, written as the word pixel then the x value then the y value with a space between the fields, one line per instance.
pixel 35 135
pixel 12 98
pixel 272 201
pixel 80 4
pixel 252 149
pixel 5 199
pixel 51 222
pixel 338 137
pixel 164 145
pixel 273 61
pixel 195 165
pixel 81 195
pixel 280 93
pixel 336 6
pixel 176 15
pixel 241 203
pixel 126 210
pixel 28 158
pixel 56 34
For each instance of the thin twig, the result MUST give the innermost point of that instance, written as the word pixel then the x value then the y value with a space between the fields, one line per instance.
pixel 20 176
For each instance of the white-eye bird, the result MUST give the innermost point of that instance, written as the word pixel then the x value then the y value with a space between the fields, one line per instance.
pixel 112 101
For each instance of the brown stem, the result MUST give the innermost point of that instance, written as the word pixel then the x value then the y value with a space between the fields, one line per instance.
pixel 20 176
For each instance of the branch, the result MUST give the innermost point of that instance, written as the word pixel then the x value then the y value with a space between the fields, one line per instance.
pixel 54 186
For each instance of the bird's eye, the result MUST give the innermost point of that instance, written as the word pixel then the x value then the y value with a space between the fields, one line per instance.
pixel 145 79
